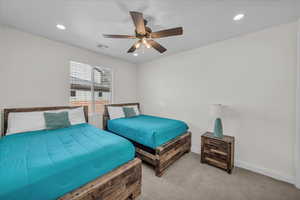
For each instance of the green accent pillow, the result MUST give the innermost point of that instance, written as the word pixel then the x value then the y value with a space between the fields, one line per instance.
pixel 56 120
pixel 129 112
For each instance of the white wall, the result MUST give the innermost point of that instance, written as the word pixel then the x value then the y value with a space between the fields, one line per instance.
pixel 34 71
pixel 297 149
pixel 254 76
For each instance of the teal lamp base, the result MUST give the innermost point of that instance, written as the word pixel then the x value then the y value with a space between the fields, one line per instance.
pixel 218 130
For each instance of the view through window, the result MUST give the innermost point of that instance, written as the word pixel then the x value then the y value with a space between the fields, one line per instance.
pixel 90 86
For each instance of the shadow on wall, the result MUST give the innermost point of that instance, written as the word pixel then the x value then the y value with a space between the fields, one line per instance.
pixel 232 116
pixel 1 121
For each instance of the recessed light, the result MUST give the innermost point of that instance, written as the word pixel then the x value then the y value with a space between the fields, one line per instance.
pixel 135 54
pixel 60 27
pixel 239 17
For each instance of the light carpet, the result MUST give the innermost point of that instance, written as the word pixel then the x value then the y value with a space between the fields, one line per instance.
pixel 188 179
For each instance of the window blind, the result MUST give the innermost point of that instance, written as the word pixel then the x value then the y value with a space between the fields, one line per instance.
pixel 90 86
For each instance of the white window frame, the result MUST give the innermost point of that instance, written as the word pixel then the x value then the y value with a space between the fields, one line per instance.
pixel 97 67
pixel 111 86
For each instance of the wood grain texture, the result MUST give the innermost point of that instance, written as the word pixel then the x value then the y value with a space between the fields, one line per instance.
pixel 163 156
pixel 120 184
pixel 218 152
pixel 163 161
pixel 170 152
pixel 37 109
pixel 167 154
pixel 138 21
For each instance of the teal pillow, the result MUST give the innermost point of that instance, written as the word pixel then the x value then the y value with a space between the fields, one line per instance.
pixel 56 120
pixel 129 112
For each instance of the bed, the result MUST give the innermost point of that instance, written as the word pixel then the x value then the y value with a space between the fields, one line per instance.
pixel 79 162
pixel 158 141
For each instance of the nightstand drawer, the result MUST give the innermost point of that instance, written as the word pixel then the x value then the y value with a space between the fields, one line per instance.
pixel 216 161
pixel 217 144
pixel 215 153
pixel 221 150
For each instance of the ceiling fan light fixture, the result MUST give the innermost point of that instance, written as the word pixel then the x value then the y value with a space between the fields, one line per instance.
pixel 137 45
pixel 145 36
pixel 135 54
pixel 145 42
pixel 148 46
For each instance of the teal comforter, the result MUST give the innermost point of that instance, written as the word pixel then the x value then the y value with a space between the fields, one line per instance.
pixel 42 165
pixel 148 130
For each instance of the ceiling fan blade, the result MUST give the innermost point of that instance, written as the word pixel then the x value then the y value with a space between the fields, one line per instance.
pixel 119 36
pixel 167 32
pixel 134 46
pixel 157 46
pixel 138 21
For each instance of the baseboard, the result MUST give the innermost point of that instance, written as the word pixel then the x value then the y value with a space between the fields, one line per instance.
pixel 264 171
pixel 260 170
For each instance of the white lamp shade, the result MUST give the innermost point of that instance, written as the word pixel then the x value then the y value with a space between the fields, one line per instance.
pixel 216 110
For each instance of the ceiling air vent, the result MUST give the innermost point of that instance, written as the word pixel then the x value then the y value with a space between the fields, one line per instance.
pixel 102 46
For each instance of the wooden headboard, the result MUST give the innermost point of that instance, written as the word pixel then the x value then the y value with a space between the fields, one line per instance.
pixel 106 115
pixel 36 109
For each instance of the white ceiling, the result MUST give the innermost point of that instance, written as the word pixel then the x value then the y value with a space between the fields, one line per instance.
pixel 204 21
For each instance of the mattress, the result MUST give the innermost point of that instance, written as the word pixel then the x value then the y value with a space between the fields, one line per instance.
pixel 148 130
pixel 42 165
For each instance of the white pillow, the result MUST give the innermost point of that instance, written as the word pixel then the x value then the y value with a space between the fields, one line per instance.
pixel 136 109
pixel 115 112
pixel 25 121
pixel 76 116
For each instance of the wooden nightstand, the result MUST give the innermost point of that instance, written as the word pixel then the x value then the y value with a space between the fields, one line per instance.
pixel 218 152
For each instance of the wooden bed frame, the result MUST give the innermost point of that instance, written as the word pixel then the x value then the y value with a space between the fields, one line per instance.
pixel 37 109
pixel 123 183
pixel 161 157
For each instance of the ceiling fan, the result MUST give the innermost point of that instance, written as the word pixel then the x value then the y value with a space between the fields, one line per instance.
pixel 145 35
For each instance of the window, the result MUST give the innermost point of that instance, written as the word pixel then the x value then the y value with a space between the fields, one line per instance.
pixel 90 86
